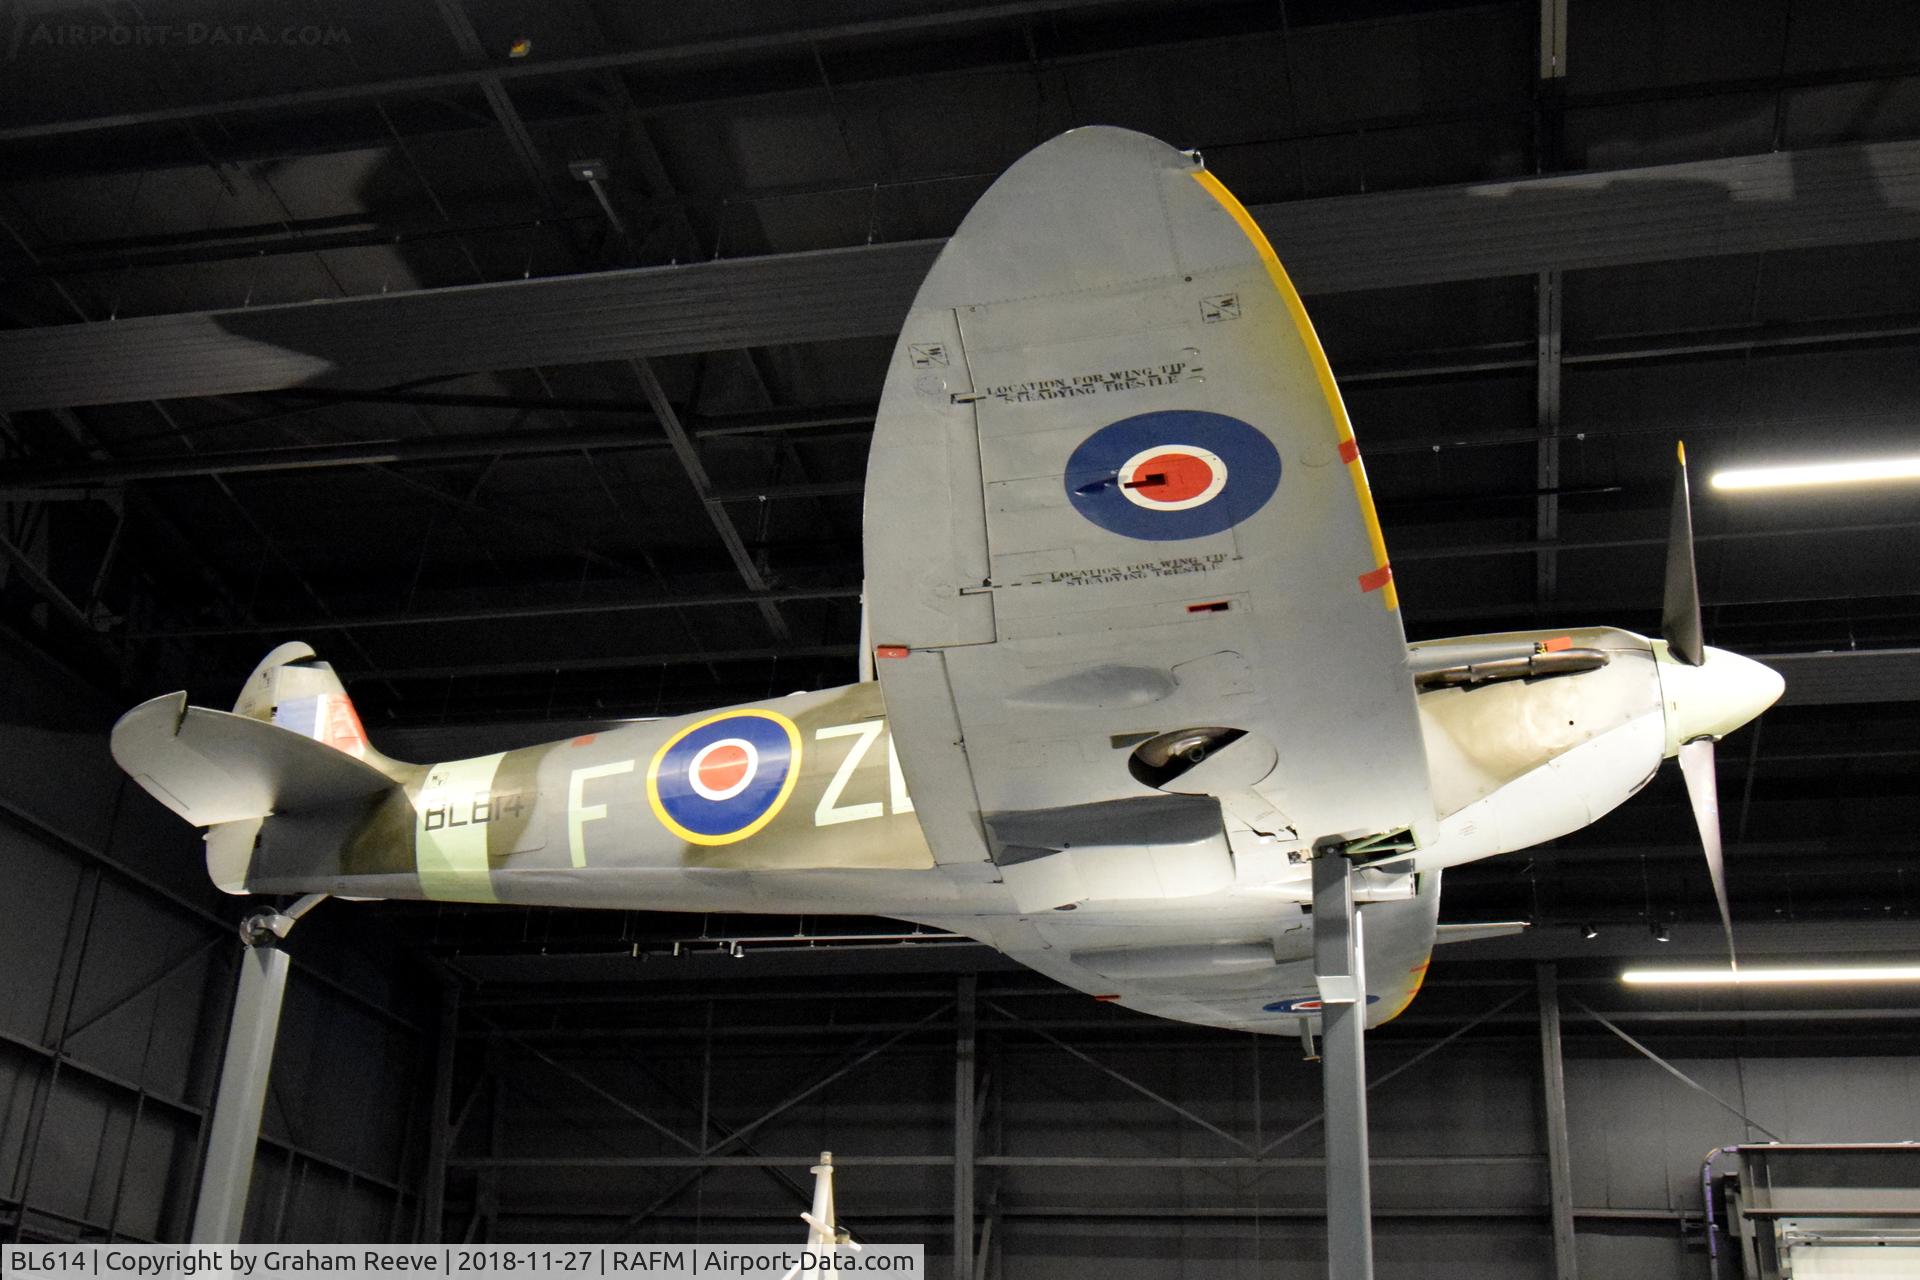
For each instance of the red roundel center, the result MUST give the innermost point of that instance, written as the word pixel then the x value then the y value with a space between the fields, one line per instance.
pixel 723 768
pixel 1171 477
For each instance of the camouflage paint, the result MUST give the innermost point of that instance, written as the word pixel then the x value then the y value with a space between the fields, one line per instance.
pixel 463 830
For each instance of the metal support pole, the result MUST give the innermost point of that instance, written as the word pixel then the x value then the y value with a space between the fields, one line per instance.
pixel 227 1173
pixel 1566 1260
pixel 965 1123
pixel 1340 973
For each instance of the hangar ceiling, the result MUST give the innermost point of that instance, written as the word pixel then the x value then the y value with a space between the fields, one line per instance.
pixel 314 329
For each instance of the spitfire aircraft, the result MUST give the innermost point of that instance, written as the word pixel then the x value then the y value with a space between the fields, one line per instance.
pixel 1133 658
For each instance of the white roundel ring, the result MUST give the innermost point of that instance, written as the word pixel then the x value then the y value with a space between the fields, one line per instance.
pixel 1172 477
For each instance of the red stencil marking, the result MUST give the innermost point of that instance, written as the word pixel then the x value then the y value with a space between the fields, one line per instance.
pixel 1377 578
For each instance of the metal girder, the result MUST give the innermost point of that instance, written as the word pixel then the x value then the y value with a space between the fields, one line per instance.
pixel 1133 1213
pixel 445 617
pixel 966 1122
pixel 1553 1078
pixel 737 1136
pixel 145 985
pixel 1479 549
pixel 657 55
pixel 1314 1120
pixel 526 153
pixel 367 342
pixel 73 481
pixel 1549 294
pixel 1857 194
pixel 1110 1072
pixel 1848 676
pixel 37 581
pixel 1549 128
pixel 1511 357
pixel 440 1120
pixel 1840 678
pixel 513 1037
pixel 689 456
pixel 157 892
pixel 1675 1072
pixel 991 1162
pixel 620 662
pixel 815 489
pixel 182 1107
pixel 23 481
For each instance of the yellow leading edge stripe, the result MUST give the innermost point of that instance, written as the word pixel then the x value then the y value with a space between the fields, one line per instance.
pixel 1419 973
pixel 1389 594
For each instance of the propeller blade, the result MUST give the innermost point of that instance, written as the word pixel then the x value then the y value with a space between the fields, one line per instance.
pixel 1696 763
pixel 1680 618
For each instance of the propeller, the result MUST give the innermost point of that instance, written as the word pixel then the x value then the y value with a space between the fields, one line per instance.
pixel 1680 621
pixel 1680 614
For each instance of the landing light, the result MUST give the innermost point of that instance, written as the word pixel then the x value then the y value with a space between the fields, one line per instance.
pixel 1756 976
pixel 1860 472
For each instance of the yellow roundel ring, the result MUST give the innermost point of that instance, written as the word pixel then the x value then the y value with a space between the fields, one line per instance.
pixel 725 777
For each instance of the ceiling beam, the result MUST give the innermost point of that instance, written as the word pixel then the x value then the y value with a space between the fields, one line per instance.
pixel 1858 194
pixel 501 613
pixel 602 662
pixel 1509 357
pixel 578 608
pixel 39 482
pixel 481 73
pixel 1849 677
pixel 723 524
pixel 1824 678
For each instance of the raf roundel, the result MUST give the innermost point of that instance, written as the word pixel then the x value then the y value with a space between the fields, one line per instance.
pixel 723 778
pixel 1172 474
pixel 1303 1004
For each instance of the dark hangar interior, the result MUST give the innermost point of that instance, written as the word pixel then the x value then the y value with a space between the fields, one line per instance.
pixel 523 358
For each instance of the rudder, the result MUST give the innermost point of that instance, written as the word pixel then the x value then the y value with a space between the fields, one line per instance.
pixel 294 690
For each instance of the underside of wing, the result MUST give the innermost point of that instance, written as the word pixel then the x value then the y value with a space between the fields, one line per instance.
pixel 1247 974
pixel 1120 546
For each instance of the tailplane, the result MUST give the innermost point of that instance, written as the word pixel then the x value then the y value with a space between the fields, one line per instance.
pixel 293 743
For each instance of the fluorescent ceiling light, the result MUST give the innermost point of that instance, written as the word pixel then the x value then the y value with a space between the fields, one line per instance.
pixel 1860 472
pixel 1753 977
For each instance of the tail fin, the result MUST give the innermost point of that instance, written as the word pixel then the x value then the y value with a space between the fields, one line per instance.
pixel 292 743
pixel 293 689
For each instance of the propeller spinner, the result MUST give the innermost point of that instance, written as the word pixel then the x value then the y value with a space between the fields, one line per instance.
pixel 1708 692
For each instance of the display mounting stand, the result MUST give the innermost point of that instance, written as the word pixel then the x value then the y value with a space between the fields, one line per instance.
pixel 825 1236
pixel 1339 971
pixel 227 1173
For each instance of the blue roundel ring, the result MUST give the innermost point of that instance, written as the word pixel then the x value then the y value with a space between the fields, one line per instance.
pixel 1303 1004
pixel 1172 474
pixel 723 778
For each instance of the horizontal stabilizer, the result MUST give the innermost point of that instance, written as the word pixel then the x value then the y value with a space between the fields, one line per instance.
pixel 1475 932
pixel 212 767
